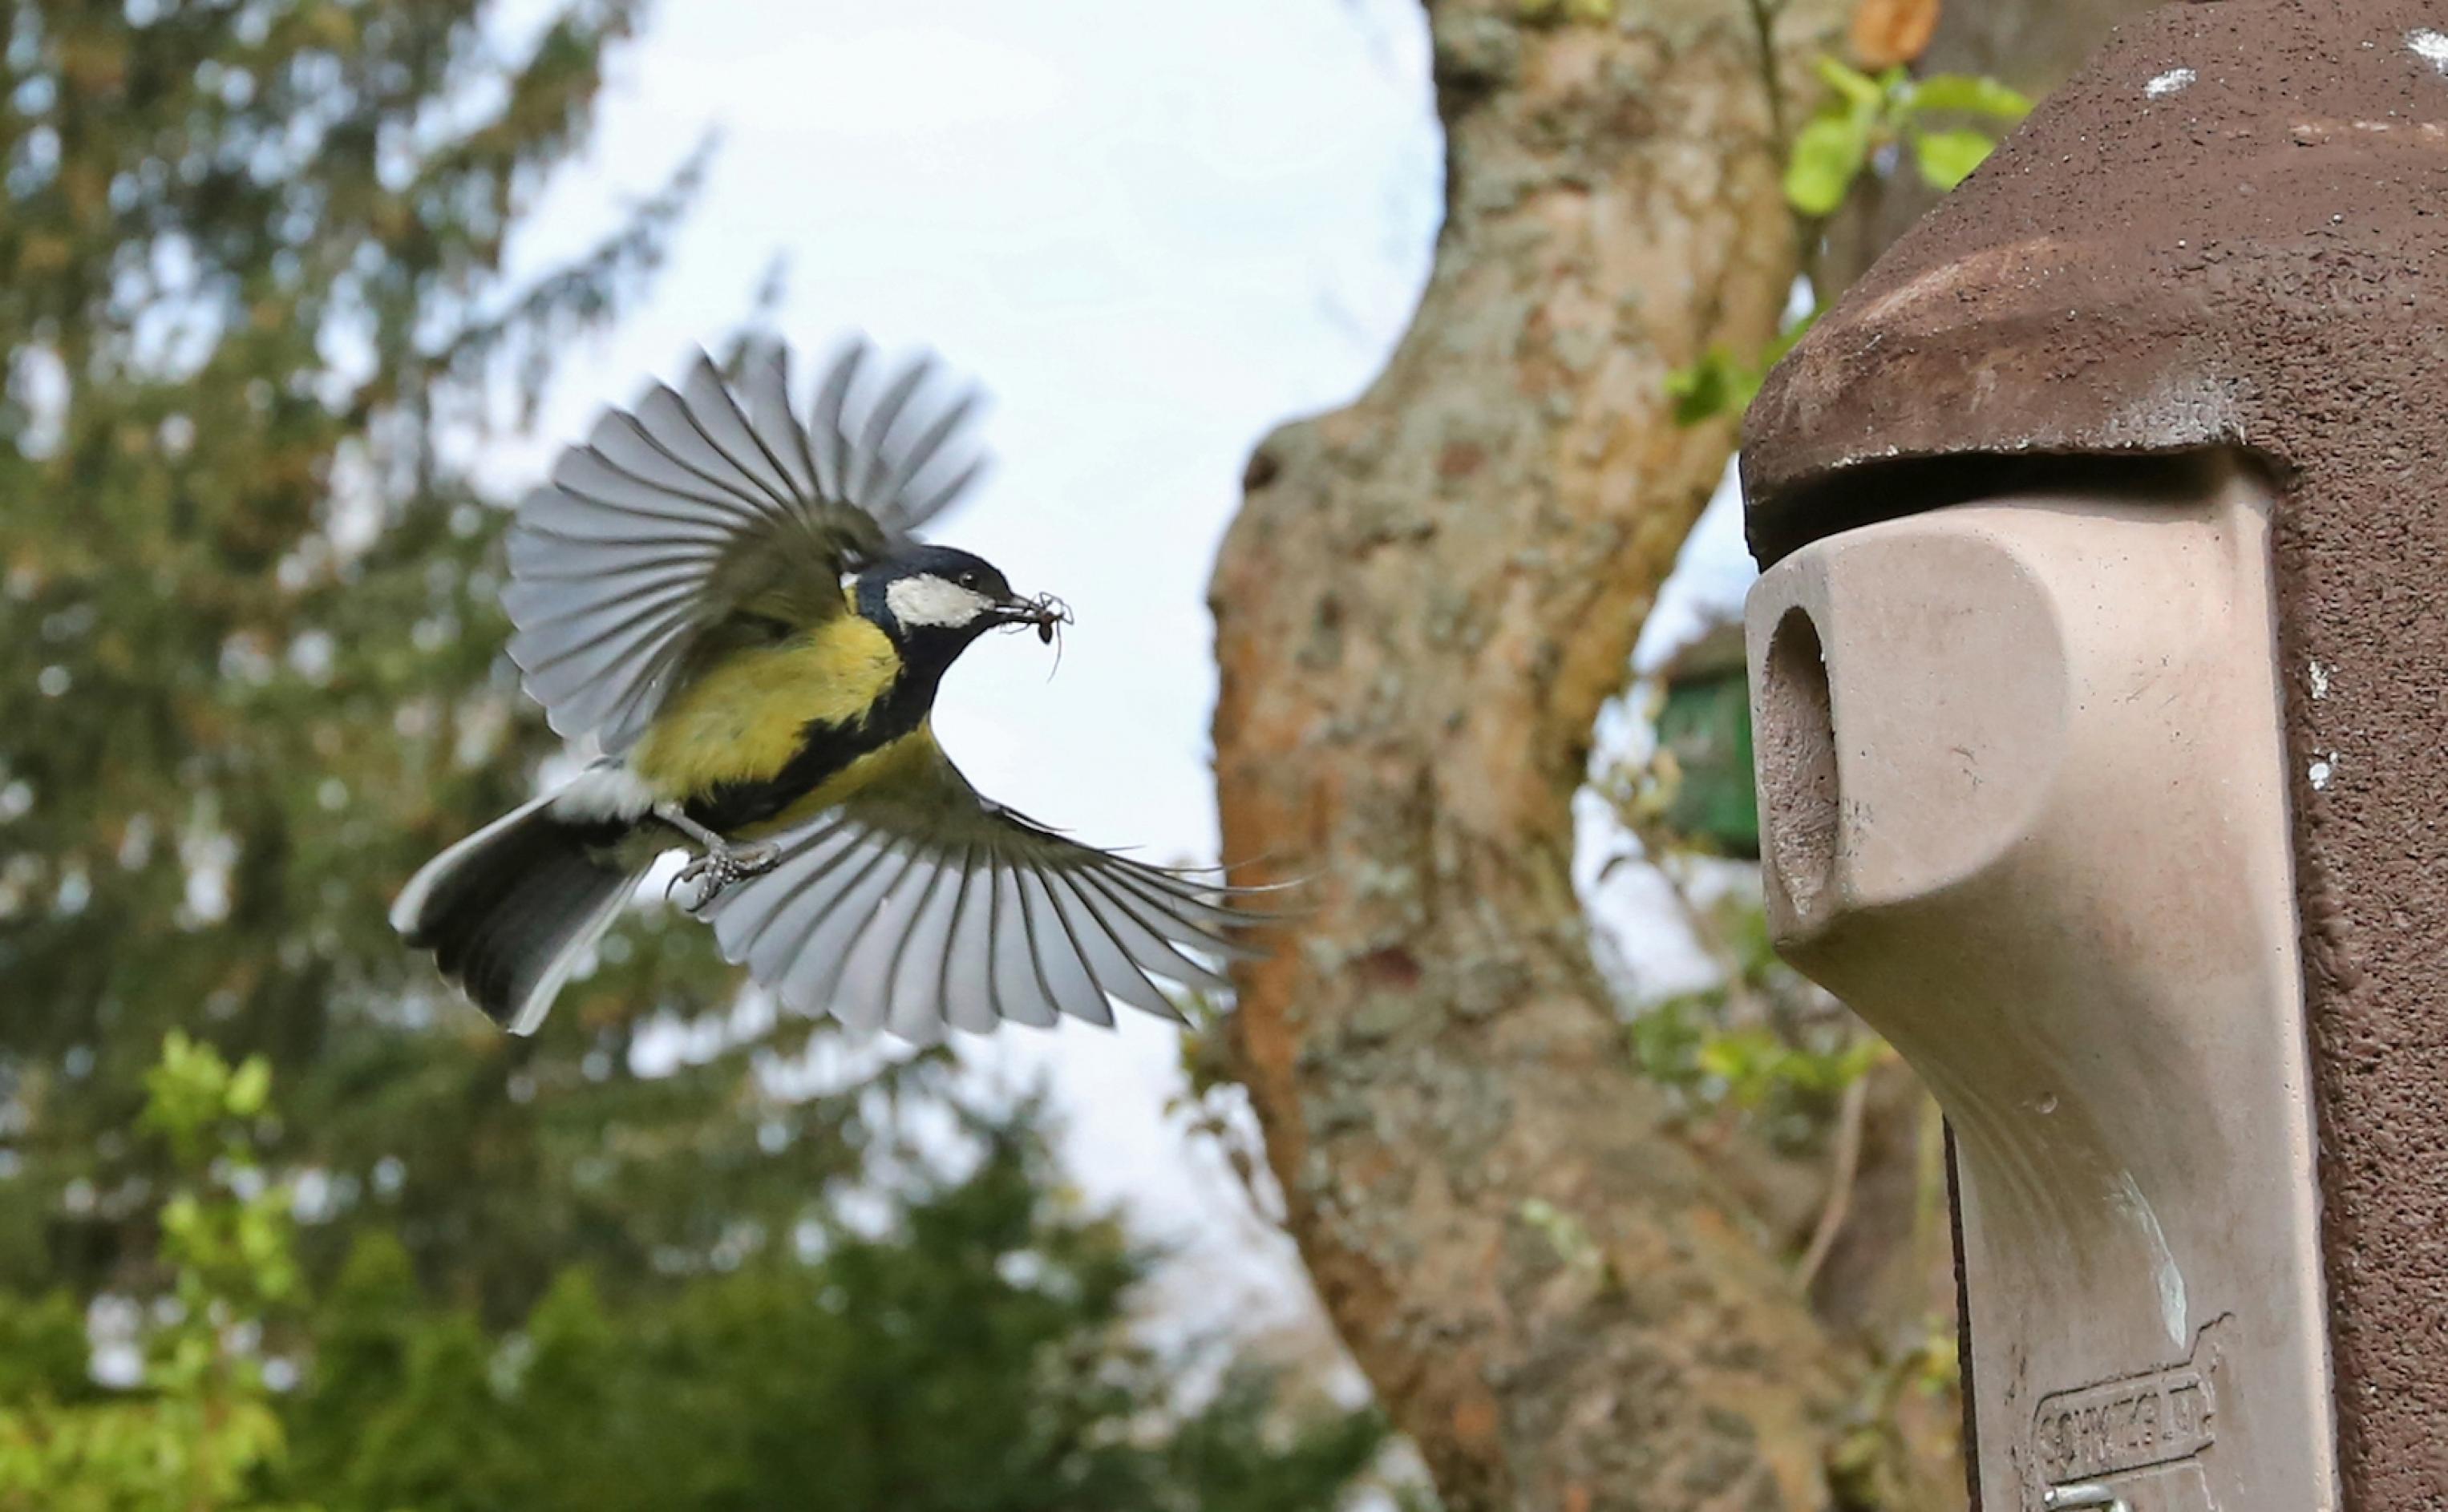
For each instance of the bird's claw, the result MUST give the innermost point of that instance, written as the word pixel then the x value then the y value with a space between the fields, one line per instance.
pixel 717 869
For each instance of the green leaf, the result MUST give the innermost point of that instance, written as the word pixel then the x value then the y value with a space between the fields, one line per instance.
pixel 1705 389
pixel 1964 92
pixel 1859 88
pixel 1947 158
pixel 1828 154
pixel 179 1215
pixel 1749 1062
pixel 249 1087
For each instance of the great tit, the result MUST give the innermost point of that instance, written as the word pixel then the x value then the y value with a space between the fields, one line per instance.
pixel 732 603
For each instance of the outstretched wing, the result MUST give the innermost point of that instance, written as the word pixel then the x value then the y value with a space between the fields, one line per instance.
pixel 712 501
pixel 919 903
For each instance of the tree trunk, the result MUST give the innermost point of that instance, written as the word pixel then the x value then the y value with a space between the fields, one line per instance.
pixel 1424 601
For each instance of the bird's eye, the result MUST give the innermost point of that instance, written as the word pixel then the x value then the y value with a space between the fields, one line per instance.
pixel 969 580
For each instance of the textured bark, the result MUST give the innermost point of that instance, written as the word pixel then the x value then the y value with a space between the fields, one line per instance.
pixel 1423 605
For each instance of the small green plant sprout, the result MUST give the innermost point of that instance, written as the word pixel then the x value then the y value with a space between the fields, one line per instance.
pixel 200 1104
pixel 1865 115
pixel 1722 383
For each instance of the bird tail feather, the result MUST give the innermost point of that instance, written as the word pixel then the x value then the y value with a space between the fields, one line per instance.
pixel 509 910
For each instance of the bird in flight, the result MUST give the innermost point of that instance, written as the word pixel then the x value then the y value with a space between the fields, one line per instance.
pixel 733 604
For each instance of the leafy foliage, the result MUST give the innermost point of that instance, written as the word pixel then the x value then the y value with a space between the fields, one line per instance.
pixel 970 1352
pixel 1761 1041
pixel 974 1355
pixel 203 1427
pixel 1865 114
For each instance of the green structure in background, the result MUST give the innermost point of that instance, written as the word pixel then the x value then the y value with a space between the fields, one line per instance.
pixel 1704 728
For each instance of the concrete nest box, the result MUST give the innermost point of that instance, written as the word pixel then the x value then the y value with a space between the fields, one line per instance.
pixel 2100 685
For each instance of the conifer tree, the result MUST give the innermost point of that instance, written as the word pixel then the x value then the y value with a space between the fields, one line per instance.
pixel 254 324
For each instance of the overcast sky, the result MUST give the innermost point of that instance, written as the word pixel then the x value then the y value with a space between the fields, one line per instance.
pixel 1152 232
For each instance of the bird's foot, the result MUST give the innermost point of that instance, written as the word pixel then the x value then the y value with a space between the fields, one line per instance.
pixel 721 865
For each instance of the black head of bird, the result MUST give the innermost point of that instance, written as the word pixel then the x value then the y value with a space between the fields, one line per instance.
pixel 934 600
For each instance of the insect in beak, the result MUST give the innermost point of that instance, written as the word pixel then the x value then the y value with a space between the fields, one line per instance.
pixel 1046 612
pixel 1049 614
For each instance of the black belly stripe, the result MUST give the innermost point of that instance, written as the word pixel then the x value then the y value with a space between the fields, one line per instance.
pixel 823 750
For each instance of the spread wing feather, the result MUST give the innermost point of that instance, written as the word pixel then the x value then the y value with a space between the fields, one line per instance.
pixel 651 531
pixel 918 904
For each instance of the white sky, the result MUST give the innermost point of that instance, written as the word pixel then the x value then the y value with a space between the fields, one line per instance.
pixel 1152 232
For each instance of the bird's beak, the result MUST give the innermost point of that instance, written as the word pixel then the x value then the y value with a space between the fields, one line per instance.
pixel 1046 611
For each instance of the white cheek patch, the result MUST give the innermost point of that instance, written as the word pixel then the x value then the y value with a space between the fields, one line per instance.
pixel 935 602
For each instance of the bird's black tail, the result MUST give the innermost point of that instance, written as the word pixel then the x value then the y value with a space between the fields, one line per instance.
pixel 509 910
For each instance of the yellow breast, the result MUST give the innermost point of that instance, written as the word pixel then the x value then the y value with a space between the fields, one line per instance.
pixel 741 719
